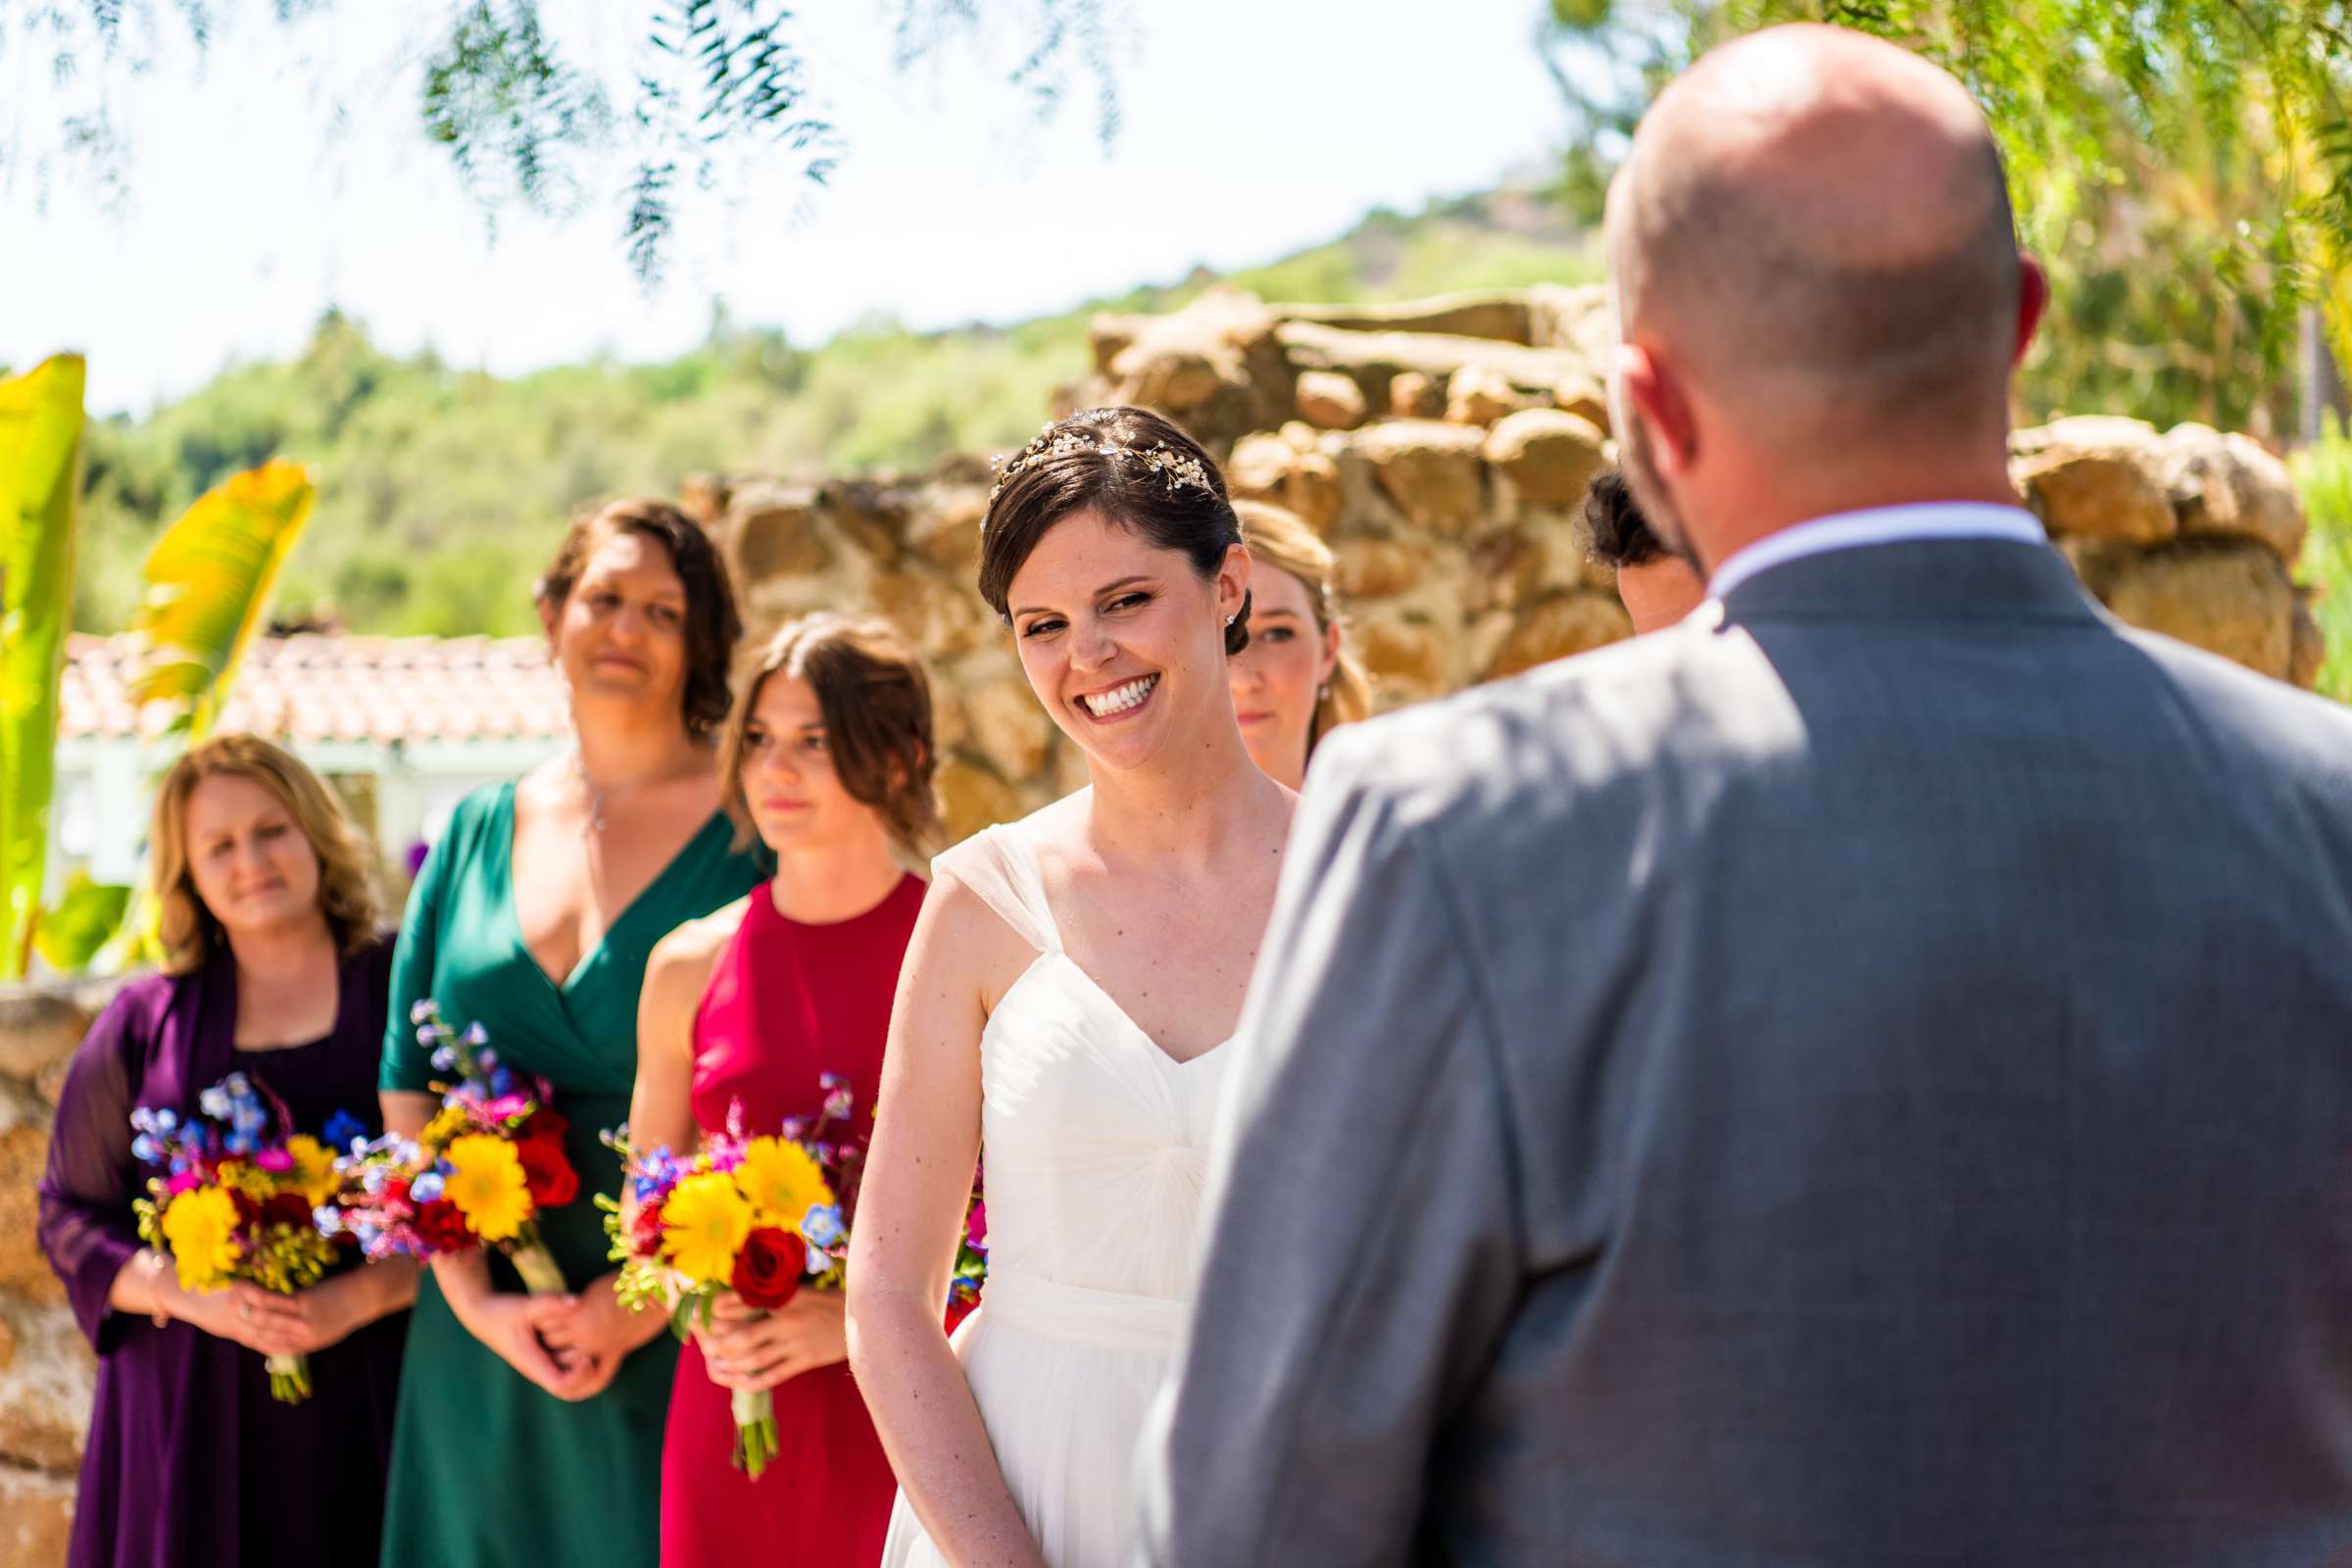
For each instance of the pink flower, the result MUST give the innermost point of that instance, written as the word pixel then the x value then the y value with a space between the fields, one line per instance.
pixel 274 1160
pixel 975 1224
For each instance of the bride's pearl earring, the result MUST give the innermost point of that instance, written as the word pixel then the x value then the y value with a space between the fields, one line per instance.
pixel 1323 693
pixel 1230 619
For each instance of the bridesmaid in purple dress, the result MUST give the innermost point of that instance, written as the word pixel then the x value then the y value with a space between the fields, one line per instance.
pixel 272 967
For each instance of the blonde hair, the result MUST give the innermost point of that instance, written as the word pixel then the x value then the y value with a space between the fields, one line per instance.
pixel 875 695
pixel 1282 539
pixel 188 931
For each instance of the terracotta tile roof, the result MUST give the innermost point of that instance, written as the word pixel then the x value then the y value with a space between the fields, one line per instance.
pixel 323 688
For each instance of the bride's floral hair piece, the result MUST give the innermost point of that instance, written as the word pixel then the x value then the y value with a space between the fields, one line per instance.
pixel 1057 440
pixel 1134 468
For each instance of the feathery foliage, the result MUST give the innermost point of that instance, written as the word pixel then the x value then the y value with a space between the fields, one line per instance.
pixel 2183 168
pixel 708 89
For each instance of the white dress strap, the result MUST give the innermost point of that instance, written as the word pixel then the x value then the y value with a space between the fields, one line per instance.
pixel 998 863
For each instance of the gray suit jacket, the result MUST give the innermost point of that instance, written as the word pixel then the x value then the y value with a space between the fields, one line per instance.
pixel 1869 1082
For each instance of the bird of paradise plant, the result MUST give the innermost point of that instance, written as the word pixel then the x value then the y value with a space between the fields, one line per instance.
pixel 41 478
pixel 209 581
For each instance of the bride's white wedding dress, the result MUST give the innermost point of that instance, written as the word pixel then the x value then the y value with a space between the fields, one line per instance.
pixel 1094 1141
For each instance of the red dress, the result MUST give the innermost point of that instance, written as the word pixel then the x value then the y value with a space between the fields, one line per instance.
pixel 786 1002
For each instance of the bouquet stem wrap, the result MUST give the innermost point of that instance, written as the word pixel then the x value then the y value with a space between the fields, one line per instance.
pixel 541 1274
pixel 754 1429
pixel 289 1377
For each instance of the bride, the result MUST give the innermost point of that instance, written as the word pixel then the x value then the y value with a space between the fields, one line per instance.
pixel 1065 994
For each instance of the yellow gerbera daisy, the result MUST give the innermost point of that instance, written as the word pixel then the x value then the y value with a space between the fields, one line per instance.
pixel 486 1183
pixel 782 1180
pixel 201 1228
pixel 703 1227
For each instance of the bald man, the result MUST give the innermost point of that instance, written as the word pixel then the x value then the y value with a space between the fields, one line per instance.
pixel 1861 1076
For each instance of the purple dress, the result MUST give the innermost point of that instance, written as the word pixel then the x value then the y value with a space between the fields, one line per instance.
pixel 189 1460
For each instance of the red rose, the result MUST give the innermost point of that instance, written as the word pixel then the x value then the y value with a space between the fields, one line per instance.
pixel 396 1192
pixel 645 1233
pixel 767 1271
pixel 441 1227
pixel 547 1173
pixel 548 1125
pixel 290 1209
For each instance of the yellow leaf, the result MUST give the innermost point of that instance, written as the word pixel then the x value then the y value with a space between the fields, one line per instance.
pixel 209 581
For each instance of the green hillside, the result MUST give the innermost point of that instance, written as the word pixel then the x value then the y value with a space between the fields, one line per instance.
pixel 442 491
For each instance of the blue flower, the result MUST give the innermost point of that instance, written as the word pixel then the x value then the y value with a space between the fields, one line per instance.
pixel 165 1120
pixel 476 1036
pixel 214 1102
pixel 330 1221
pixel 426 1188
pixel 145 1149
pixel 444 1059
pixel 420 1011
pixel 342 1130
pixel 487 1059
pixel 820 1227
pixel 369 1235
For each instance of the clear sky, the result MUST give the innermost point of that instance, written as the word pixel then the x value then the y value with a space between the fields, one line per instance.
pixel 284 171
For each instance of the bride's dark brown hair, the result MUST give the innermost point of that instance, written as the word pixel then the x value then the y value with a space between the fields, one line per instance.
pixel 1136 471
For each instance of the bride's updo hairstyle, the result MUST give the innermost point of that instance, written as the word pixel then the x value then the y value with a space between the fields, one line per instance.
pixel 1136 470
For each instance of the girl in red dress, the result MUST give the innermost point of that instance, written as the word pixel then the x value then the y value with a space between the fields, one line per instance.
pixel 828 759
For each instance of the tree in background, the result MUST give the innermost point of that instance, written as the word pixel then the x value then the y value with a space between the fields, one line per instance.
pixel 2182 167
pixel 707 88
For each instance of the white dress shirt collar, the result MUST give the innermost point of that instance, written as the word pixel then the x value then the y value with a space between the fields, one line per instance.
pixel 1876 525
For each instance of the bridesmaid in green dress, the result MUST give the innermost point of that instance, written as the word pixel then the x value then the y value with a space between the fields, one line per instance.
pixel 530 1430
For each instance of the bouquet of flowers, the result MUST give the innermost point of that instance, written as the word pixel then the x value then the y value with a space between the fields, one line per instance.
pixel 761 1216
pixel 479 1174
pixel 235 1201
pixel 970 1272
pixel 766 1218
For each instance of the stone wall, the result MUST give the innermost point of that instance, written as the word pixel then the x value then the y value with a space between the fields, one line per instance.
pixel 1441 447
pixel 45 1366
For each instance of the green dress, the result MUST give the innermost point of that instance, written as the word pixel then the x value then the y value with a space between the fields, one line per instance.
pixel 489 1469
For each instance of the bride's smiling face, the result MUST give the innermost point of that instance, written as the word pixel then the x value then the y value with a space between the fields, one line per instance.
pixel 1123 641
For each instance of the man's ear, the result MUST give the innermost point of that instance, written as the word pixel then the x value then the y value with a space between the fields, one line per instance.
pixel 2033 299
pixel 1650 385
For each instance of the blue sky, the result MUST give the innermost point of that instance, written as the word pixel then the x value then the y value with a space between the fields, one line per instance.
pixel 1250 127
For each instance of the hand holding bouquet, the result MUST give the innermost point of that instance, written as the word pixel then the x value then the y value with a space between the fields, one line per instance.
pixel 479 1174
pixel 760 1216
pixel 235 1200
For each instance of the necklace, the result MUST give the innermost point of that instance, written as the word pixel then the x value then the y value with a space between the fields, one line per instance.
pixel 598 795
pixel 595 823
